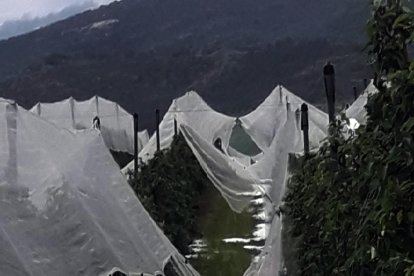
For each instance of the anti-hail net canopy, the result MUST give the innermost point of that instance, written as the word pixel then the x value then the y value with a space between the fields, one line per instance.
pixel 116 123
pixel 357 110
pixel 274 129
pixel 65 207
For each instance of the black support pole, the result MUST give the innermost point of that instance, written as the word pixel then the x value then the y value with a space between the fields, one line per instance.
pixel 175 127
pixel 304 125
pixel 135 145
pixel 157 128
pixel 329 79
pixel 365 83
pixel 355 93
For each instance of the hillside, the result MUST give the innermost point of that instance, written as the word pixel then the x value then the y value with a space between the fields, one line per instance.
pixel 144 53
pixel 14 27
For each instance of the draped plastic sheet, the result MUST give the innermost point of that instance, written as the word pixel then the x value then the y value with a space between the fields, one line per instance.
pixel 191 110
pixel 275 128
pixel 266 120
pixel 270 261
pixel 357 110
pixel 235 183
pixel 66 208
pixel 279 116
pixel 116 123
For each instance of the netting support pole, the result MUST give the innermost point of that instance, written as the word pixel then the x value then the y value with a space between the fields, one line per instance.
pixel 97 105
pixel 287 109
pixel 135 145
pixel 175 128
pixel 157 128
pixel 329 79
pixel 304 125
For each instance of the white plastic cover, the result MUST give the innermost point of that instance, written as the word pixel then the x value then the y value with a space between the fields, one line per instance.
pixel 267 119
pixel 275 128
pixel 65 207
pixel 190 110
pixel 116 123
pixel 279 117
pixel 357 110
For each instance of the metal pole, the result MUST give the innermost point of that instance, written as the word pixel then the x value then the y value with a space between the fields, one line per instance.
pixel 157 129
pixel 97 105
pixel 329 79
pixel 135 145
pixel 355 93
pixel 287 109
pixel 175 127
pixel 304 124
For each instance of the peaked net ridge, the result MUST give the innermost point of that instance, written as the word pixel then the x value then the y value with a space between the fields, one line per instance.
pixel 357 110
pixel 275 128
pixel 67 209
pixel 116 123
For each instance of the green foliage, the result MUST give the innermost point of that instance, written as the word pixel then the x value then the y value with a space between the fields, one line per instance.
pixel 350 206
pixel 169 187
pixel 390 30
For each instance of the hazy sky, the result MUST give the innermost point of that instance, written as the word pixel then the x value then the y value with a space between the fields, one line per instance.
pixel 26 9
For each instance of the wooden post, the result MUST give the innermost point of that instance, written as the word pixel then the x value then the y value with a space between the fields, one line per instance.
pixel 355 93
pixel 329 79
pixel 304 124
pixel 135 145
pixel 157 128
pixel 175 127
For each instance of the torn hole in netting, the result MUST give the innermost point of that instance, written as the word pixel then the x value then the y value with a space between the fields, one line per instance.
pixel 241 143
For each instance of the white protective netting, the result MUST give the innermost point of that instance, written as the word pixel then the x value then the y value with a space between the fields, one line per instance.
pixel 279 118
pixel 275 128
pixel 65 207
pixel 357 110
pixel 116 123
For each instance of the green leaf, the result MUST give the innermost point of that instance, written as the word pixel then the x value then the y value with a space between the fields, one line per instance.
pixel 408 125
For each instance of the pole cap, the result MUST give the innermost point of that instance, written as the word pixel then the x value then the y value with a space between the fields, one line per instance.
pixel 328 69
pixel 304 107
